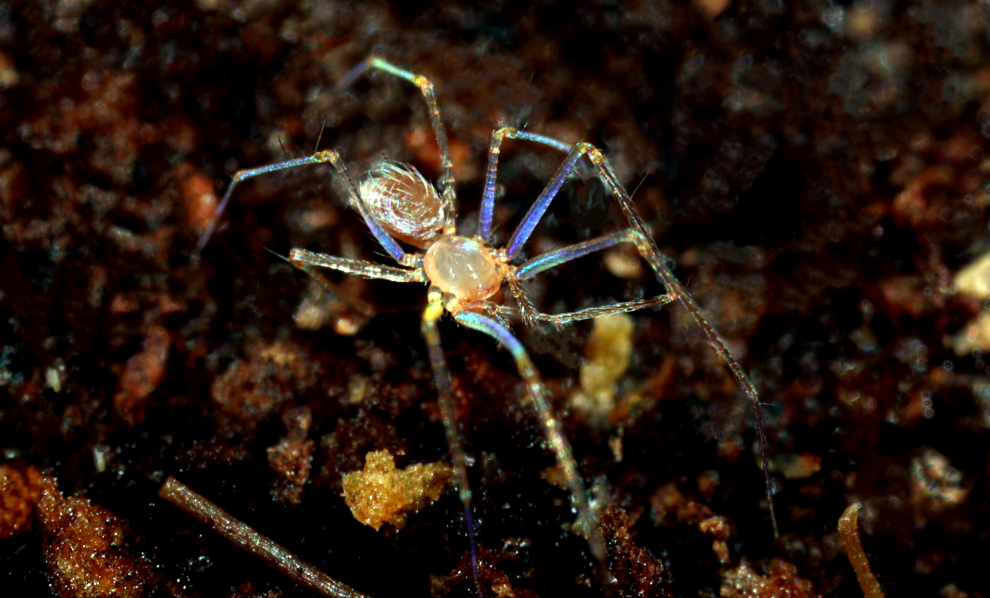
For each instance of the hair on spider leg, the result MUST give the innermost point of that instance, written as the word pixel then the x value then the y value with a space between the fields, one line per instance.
pixel 469 278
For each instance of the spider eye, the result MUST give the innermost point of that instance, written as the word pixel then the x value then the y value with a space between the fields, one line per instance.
pixel 403 202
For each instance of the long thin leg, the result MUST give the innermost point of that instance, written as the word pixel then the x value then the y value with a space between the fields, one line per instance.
pixel 359 306
pixel 327 156
pixel 587 313
pixel 552 259
pixel 488 199
pixel 448 194
pixel 301 258
pixel 558 442
pixel 648 249
pixel 441 376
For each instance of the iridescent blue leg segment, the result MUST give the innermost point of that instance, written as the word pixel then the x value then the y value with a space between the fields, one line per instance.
pixel 387 242
pixel 488 199
pixel 558 442
pixel 552 259
pixel 238 177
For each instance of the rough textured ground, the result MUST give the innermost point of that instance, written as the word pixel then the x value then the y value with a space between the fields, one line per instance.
pixel 817 172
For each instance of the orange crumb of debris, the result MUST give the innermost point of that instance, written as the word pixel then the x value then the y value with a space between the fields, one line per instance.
pixel 86 551
pixel 631 567
pixel 383 494
pixel 20 491
pixel 198 196
pixel 718 527
pixel 142 374
pixel 780 581
pixel 254 388
pixel 292 457
pixel 849 530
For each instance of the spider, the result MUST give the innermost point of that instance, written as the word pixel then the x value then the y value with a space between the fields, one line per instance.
pixel 465 274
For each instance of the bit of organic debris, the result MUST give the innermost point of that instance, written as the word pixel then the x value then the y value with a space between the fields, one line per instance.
pixel 780 581
pixel 849 529
pixel 489 576
pixel 142 374
pixel 87 549
pixel 634 571
pixel 608 352
pixel 292 457
pixel 244 537
pixel 383 494
pixel 20 491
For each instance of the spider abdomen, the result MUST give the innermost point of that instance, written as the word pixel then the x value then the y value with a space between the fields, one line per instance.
pixel 403 202
pixel 462 267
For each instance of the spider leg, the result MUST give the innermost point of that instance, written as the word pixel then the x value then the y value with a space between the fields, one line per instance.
pixel 495 310
pixel 488 199
pixel 590 313
pixel 330 288
pixel 387 242
pixel 240 176
pixel 587 516
pixel 530 315
pixel 303 259
pixel 648 249
pixel 555 258
pixel 552 259
pixel 448 195
pixel 442 380
pixel 500 311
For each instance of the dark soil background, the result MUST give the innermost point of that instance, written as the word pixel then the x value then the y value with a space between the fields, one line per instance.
pixel 815 170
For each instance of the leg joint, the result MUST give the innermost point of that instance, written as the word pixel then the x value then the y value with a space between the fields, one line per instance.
pixel 504 132
pixel 594 154
pixel 424 84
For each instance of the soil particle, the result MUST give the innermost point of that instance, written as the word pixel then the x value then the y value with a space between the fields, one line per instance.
pixel 20 491
pixel 88 550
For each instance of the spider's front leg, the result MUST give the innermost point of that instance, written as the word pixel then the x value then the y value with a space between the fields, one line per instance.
pixel 309 261
pixel 388 243
pixel 449 195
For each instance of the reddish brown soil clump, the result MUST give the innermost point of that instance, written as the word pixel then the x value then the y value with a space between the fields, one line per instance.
pixel 86 547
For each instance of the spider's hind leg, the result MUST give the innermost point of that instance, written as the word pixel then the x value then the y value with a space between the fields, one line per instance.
pixel 646 247
pixel 552 259
pixel 587 514
pixel 445 392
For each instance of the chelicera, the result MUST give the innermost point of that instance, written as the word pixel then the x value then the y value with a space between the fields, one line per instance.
pixel 465 274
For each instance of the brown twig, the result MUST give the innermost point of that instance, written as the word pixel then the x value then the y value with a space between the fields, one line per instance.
pixel 849 530
pixel 246 538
